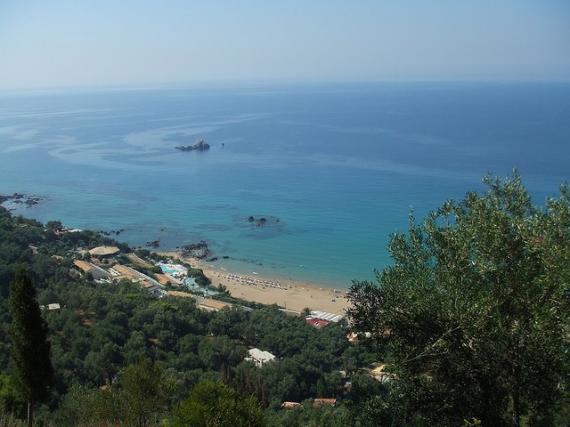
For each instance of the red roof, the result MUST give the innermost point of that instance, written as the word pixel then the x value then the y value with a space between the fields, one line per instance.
pixel 317 323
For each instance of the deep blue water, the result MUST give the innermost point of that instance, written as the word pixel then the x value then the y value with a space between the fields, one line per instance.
pixel 340 166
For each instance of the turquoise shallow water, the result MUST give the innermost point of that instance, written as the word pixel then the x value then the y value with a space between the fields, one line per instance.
pixel 339 166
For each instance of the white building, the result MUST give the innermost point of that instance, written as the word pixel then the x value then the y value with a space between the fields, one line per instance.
pixel 330 317
pixel 259 357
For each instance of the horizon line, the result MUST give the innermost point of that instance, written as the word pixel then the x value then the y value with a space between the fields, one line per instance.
pixel 157 85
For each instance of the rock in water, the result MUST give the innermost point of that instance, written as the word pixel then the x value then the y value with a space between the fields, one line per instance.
pixel 200 145
pixel 196 250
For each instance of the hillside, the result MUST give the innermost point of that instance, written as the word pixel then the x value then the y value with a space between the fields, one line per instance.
pixel 97 329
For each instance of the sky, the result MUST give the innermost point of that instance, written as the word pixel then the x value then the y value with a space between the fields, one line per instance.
pixel 60 43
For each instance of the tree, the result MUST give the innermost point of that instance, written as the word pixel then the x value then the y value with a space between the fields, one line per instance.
pixel 474 310
pixel 9 399
pixel 33 372
pixel 83 406
pixel 215 404
pixel 221 353
pixel 145 392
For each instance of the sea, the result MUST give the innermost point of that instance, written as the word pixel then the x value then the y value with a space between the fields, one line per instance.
pixel 335 169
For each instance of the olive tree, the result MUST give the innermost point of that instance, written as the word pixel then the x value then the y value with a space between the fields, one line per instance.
pixel 473 314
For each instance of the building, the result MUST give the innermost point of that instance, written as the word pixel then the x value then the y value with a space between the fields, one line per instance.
pixel 353 337
pixel 290 405
pixel 379 373
pixel 138 261
pixel 51 307
pixel 163 279
pixel 64 230
pixel 104 251
pixel 146 282
pixel 210 304
pixel 321 401
pixel 96 272
pixel 179 294
pixel 114 273
pixel 259 357
pixel 166 279
pixel 330 317
pixel 317 323
pixel 134 275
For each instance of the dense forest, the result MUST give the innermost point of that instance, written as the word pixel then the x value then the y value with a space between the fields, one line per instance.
pixel 469 325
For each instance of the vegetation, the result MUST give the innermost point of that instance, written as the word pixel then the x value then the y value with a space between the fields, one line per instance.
pixel 215 404
pixel 104 332
pixel 32 369
pixel 469 326
pixel 473 315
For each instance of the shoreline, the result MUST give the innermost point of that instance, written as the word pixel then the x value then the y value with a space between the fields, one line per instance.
pixel 290 294
pixel 294 295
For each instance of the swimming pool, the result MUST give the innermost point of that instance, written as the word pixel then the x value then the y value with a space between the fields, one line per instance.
pixel 172 269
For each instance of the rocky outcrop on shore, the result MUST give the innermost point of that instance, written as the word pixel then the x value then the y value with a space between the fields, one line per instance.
pixel 20 199
pixel 196 250
pixel 153 244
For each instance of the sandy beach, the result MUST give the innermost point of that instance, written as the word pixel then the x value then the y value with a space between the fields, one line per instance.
pixel 290 294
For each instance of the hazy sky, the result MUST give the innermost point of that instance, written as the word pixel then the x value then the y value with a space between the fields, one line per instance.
pixel 46 43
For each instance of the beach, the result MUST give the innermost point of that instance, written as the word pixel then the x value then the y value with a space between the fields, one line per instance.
pixel 290 294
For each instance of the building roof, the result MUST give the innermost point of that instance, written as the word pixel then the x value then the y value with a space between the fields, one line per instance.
pixel 83 265
pixel 353 337
pixel 146 285
pixel 319 401
pixel 53 306
pixel 104 251
pixel 163 279
pixel 123 270
pixel 260 355
pixel 290 405
pixel 179 294
pixel 138 260
pixel 317 323
pixel 212 304
pixel 331 317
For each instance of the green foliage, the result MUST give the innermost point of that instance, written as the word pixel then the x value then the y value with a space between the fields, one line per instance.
pixel 306 416
pixel 215 404
pixel 8 420
pixel 471 320
pixel 103 328
pixel 139 399
pixel 221 353
pixel 145 392
pixel 473 315
pixel 33 371
pixel 10 401
pixel 84 406
pixel 199 276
